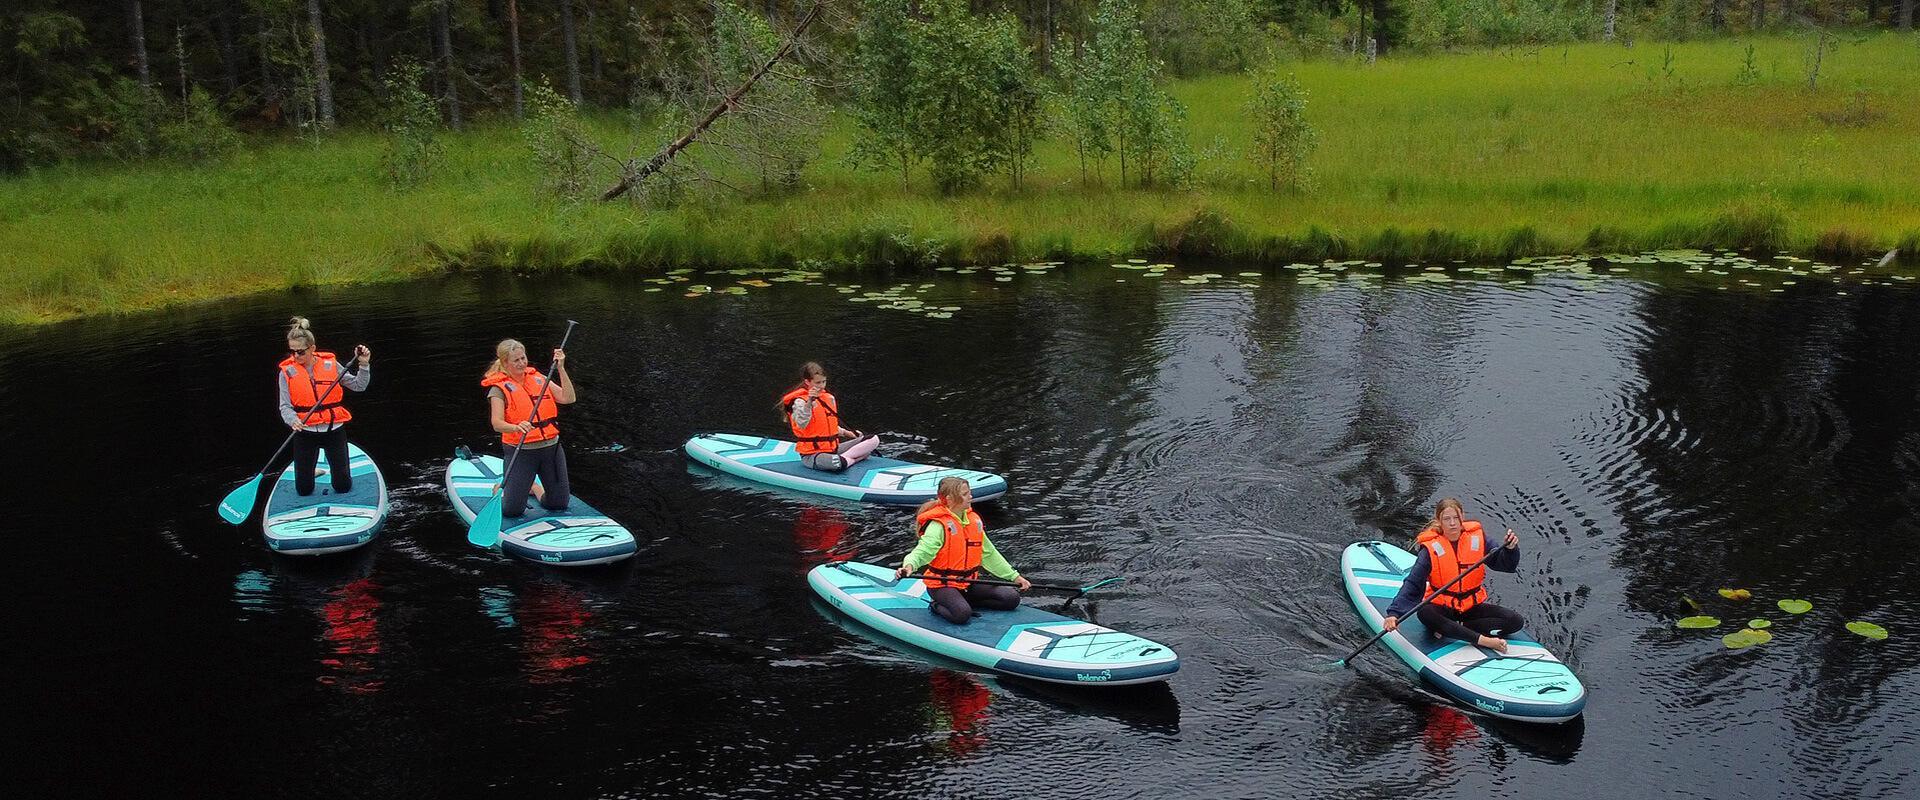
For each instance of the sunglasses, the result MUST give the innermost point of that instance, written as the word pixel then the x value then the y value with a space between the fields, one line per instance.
pixel 300 352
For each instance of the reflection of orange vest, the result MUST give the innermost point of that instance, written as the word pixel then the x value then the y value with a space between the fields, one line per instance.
pixel 959 557
pixel 315 397
pixel 520 408
pixel 823 428
pixel 1449 559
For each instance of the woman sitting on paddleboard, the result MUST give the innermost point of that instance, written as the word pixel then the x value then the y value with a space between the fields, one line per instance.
pixel 1447 547
pixel 954 546
pixel 814 416
pixel 523 409
pixel 311 382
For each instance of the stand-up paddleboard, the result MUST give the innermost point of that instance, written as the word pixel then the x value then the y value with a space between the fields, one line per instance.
pixel 874 480
pixel 1527 683
pixel 1025 642
pixel 325 521
pixel 576 537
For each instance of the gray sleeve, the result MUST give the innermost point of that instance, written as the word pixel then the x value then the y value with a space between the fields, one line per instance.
pixel 802 412
pixel 287 414
pixel 356 380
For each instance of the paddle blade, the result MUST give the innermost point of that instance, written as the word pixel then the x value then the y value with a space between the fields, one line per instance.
pixel 485 530
pixel 239 502
pixel 1092 586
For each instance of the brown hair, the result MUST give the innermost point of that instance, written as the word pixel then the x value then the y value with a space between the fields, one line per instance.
pixel 1444 504
pixel 501 352
pixel 298 331
pixel 950 488
pixel 807 373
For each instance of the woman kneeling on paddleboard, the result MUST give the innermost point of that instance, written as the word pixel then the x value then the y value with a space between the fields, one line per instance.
pixel 1448 546
pixel 310 403
pixel 814 416
pixel 523 406
pixel 954 546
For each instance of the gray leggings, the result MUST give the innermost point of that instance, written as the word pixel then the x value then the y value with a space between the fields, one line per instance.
pixel 956 606
pixel 550 463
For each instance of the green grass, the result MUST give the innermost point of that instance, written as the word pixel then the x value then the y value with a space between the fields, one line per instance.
pixel 1478 156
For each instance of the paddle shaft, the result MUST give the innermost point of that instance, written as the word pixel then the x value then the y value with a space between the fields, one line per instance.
pixel 545 385
pixel 990 582
pixel 1423 601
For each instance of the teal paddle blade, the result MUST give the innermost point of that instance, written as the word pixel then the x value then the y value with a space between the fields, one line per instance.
pixel 239 502
pixel 485 530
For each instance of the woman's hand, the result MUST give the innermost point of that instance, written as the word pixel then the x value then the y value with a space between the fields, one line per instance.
pixel 1512 542
pixel 523 427
pixel 559 358
pixel 1022 583
pixel 902 572
pixel 361 352
pixel 1390 623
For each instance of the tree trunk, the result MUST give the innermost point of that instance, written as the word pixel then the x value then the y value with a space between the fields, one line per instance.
pixel 572 47
pixel 271 98
pixel 1759 14
pixel 593 47
pixel 229 57
pixel 322 76
pixel 137 31
pixel 1717 14
pixel 513 39
pixel 1906 15
pixel 1613 15
pixel 449 72
pixel 633 177
pixel 180 59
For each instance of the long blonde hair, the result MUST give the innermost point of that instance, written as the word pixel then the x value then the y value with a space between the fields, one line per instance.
pixel 502 352
pixel 1444 504
pixel 951 488
pixel 298 330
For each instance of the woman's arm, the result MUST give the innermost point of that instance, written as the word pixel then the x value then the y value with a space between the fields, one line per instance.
pixel 993 562
pixel 1413 588
pixel 563 386
pixel 497 407
pixel 931 539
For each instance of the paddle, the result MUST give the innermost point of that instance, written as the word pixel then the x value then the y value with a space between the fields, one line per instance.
pixel 1051 587
pixel 1416 607
pixel 485 530
pixel 238 504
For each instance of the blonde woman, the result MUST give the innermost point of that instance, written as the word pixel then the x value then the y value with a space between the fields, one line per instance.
pixel 523 408
pixel 954 547
pixel 311 403
pixel 1450 546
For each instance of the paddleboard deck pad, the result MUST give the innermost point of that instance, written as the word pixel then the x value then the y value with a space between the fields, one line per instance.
pixel 1025 642
pixel 876 479
pixel 1527 683
pixel 576 537
pixel 326 521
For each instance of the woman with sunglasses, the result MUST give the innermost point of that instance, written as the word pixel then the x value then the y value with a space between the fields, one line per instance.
pixel 310 402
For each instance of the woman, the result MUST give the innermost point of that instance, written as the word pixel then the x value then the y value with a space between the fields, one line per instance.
pixel 1446 548
pixel 311 382
pixel 954 546
pixel 814 416
pixel 523 408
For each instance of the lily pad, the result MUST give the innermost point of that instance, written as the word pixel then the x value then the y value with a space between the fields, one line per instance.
pixel 1745 637
pixel 1698 622
pixel 1795 606
pixel 1868 630
pixel 1736 594
pixel 1690 602
pixel 1759 624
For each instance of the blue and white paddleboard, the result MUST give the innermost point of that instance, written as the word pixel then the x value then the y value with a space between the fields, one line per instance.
pixel 326 522
pixel 577 537
pixel 1025 642
pixel 874 480
pixel 1527 683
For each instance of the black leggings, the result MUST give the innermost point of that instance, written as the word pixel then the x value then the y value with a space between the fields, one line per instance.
pixel 956 606
pixel 550 463
pixel 305 453
pixel 1485 619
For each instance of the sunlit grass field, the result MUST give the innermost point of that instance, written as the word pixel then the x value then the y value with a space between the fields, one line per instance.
pixel 1481 156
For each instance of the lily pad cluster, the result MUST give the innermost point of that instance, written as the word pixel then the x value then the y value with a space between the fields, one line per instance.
pixel 902 298
pixel 1757 630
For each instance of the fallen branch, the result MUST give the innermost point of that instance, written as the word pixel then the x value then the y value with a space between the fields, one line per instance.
pixel 632 177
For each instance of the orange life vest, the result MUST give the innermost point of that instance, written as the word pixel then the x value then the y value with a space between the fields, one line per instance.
pixel 315 397
pixel 959 557
pixel 822 433
pixel 1450 559
pixel 519 394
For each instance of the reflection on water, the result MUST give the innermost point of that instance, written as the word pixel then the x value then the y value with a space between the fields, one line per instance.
pixel 1651 436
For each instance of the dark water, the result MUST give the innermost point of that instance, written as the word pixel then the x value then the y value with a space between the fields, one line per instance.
pixel 1651 436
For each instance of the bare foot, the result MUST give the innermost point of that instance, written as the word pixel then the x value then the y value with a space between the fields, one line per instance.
pixel 1496 645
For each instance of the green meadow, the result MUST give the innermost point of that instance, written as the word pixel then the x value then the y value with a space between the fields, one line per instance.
pixel 1480 156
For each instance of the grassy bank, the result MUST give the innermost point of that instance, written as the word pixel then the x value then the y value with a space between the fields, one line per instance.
pixel 1477 156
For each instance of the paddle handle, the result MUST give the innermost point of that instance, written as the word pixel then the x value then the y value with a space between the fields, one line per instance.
pixel 1423 601
pixel 544 386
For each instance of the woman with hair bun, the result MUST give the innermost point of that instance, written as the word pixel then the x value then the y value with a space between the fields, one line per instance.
pixel 313 386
